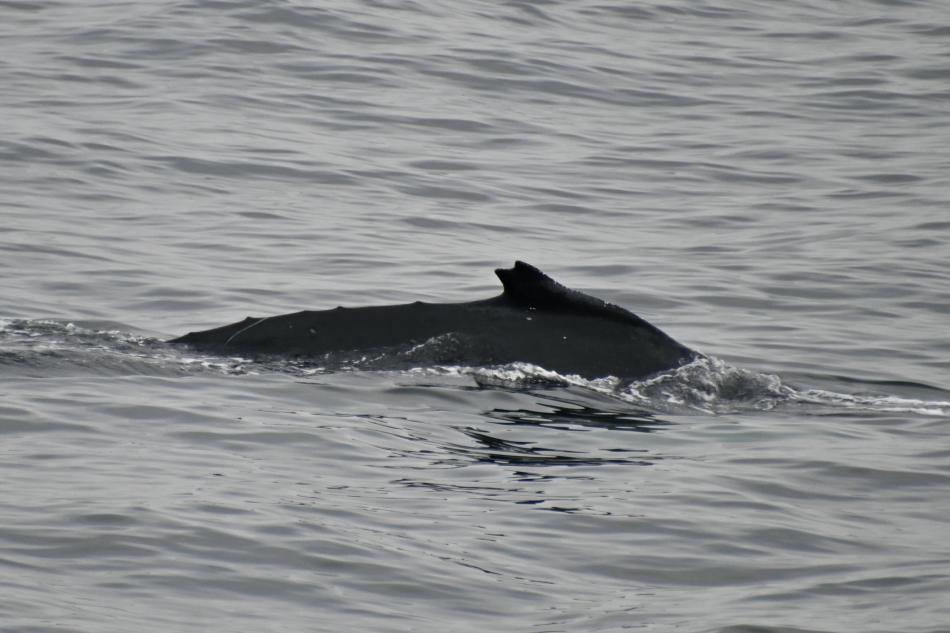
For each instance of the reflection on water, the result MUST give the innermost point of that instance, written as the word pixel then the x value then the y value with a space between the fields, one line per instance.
pixel 564 413
pixel 556 412
pixel 499 451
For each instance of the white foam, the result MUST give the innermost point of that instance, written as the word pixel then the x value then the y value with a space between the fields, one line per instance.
pixel 888 403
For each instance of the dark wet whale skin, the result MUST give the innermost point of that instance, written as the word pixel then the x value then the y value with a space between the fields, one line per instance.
pixel 535 320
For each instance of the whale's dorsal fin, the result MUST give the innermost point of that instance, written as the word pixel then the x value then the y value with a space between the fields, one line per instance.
pixel 528 287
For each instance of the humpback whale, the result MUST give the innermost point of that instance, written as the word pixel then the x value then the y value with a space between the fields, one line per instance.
pixel 534 320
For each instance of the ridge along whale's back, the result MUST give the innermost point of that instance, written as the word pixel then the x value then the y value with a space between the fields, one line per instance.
pixel 535 320
pixel 527 286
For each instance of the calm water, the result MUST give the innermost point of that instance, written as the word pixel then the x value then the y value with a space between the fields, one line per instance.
pixel 767 182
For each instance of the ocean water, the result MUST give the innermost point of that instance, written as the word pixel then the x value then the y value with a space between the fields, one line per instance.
pixel 767 182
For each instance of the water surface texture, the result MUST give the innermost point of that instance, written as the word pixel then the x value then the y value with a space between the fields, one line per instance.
pixel 767 182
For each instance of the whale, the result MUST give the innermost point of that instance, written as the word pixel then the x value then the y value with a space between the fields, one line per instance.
pixel 534 320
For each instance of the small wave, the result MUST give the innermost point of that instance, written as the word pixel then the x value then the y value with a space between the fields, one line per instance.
pixel 710 385
pixel 883 403
pixel 54 347
pixel 713 386
pixel 707 385
pixel 50 332
pixel 519 376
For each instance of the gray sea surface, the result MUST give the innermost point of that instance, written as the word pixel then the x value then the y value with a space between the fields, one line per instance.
pixel 768 182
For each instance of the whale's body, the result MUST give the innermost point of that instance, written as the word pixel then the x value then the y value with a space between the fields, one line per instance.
pixel 535 320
